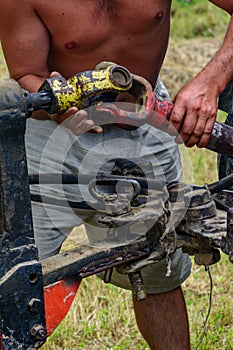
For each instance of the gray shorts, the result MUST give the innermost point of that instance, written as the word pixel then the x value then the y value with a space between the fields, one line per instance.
pixel 54 149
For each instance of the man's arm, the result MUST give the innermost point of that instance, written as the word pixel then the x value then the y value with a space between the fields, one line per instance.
pixel 195 105
pixel 26 43
pixel 226 5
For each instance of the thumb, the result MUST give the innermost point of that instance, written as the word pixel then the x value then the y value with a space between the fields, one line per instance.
pixel 96 129
pixel 54 74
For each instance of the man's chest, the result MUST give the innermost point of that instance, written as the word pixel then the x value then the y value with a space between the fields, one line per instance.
pixel 75 17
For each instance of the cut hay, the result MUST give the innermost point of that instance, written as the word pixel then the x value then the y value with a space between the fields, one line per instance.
pixel 185 59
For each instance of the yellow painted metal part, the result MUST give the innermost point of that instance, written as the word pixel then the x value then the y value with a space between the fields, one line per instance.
pixel 75 90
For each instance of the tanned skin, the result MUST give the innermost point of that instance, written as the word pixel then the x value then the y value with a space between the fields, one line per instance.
pixel 42 37
pixel 74 35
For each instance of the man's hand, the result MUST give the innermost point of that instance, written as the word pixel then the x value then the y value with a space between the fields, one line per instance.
pixel 194 112
pixel 75 120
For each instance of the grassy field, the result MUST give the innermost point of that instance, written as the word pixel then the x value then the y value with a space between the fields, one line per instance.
pixel 101 317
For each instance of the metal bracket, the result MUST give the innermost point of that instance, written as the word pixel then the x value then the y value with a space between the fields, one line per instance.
pixel 20 271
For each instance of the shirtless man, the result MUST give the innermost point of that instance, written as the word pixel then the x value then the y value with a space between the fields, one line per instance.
pixel 42 37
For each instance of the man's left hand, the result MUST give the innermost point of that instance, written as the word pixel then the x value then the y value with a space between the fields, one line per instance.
pixel 194 113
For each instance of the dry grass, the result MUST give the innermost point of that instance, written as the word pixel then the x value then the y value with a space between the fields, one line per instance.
pixel 184 59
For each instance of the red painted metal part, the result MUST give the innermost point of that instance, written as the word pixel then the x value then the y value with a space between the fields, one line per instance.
pixel 58 299
pixel 153 111
pixel 157 116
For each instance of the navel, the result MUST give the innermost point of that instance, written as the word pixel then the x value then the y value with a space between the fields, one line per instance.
pixel 159 15
pixel 70 45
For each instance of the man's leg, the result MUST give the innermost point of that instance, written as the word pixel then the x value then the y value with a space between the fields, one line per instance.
pixel 162 319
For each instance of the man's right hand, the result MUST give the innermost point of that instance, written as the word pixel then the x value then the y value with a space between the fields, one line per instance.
pixel 76 121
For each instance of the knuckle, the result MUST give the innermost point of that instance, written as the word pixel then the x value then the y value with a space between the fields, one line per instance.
pixel 189 143
pixel 187 130
pixel 208 131
pixel 81 113
pixel 207 112
pixel 201 144
pixel 195 108
pixel 198 132
pixel 174 118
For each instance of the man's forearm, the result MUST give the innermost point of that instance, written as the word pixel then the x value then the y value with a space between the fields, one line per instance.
pixel 219 70
pixel 196 104
pixel 32 83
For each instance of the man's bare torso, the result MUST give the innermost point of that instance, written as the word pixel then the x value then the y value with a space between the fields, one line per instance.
pixel 133 33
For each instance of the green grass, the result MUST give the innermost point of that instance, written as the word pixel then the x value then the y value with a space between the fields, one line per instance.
pixel 197 19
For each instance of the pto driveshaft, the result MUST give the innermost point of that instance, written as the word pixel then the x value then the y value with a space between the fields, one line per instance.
pixel 101 86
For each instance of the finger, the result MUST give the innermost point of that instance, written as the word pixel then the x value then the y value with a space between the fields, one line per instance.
pixel 204 126
pixel 73 117
pixel 197 132
pixel 187 128
pixel 60 118
pixel 79 115
pixel 82 128
pixel 207 133
pixel 78 123
pixel 176 119
pixel 54 74
pixel 72 111
pixel 96 130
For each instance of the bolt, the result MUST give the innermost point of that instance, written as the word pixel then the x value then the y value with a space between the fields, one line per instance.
pixel 34 305
pixel 38 332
